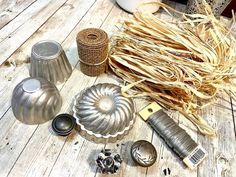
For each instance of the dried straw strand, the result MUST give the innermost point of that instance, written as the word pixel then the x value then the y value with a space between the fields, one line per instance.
pixel 182 64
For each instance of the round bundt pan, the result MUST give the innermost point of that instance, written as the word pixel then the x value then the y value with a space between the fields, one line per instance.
pixel 103 113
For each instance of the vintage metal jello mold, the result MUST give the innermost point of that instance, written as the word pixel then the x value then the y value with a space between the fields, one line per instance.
pixel 103 113
pixel 35 101
pixel 49 61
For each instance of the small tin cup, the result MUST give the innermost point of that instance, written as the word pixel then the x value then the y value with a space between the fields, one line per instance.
pixel 49 61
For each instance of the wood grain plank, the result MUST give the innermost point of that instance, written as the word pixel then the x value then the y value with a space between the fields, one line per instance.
pixel 57 28
pixel 9 10
pixel 87 166
pixel 233 108
pixel 13 139
pixel 9 78
pixel 5 4
pixel 70 91
pixel 18 73
pixel 17 149
pixel 221 160
pixel 43 154
pixel 10 45
pixel 8 30
pixel 6 123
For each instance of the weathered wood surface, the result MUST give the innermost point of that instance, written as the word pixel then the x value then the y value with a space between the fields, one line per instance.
pixel 36 151
pixel 10 9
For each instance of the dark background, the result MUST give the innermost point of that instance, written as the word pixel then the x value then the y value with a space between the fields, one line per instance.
pixel 227 12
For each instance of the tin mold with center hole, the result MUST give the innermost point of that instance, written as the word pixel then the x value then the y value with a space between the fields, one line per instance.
pixel 49 61
pixel 103 113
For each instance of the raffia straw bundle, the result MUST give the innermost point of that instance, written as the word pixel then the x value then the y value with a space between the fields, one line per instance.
pixel 182 65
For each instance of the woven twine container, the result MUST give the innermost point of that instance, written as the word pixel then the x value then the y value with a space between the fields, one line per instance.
pixel 92 46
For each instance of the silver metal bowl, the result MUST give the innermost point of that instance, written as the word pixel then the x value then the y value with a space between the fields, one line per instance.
pixel 103 113
pixel 49 61
pixel 143 153
pixel 35 101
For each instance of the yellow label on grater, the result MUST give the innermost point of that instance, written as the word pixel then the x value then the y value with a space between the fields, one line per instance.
pixel 149 110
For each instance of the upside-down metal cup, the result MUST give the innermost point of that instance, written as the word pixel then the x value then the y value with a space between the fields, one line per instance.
pixel 35 101
pixel 49 61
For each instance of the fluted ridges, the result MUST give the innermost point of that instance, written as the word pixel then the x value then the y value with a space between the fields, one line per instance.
pixel 36 107
pixel 53 68
pixel 112 117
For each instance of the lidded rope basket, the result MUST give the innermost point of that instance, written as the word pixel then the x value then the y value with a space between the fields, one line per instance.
pixel 92 46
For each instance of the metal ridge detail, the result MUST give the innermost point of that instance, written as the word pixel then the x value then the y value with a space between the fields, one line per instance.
pixel 103 113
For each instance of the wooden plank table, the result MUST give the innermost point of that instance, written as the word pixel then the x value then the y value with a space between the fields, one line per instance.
pixel 34 151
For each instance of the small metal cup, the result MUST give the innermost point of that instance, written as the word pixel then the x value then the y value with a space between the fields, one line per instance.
pixel 49 61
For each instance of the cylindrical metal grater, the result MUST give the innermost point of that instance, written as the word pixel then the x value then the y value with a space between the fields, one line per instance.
pixel 175 137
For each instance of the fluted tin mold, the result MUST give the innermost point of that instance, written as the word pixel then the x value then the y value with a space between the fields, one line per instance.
pixel 103 113
pixel 49 61
pixel 35 101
